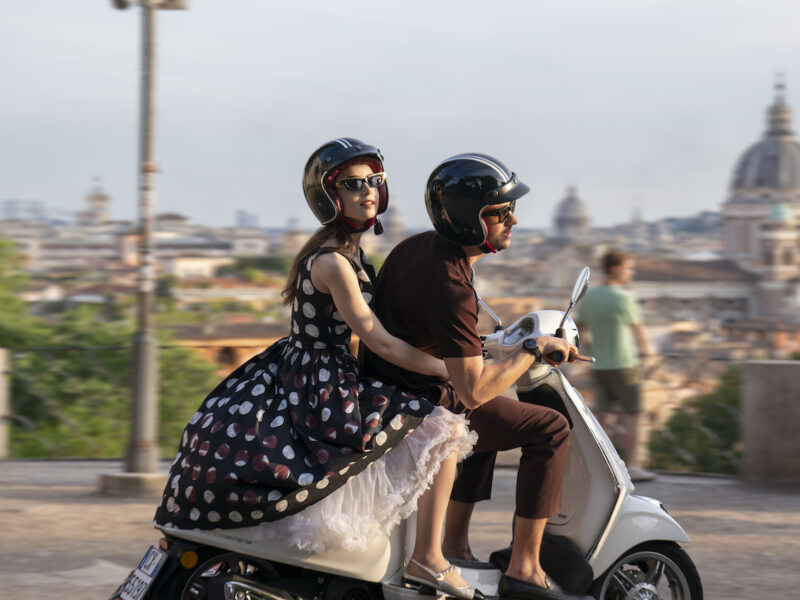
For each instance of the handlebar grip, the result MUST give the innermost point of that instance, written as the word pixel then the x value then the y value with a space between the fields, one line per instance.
pixel 531 346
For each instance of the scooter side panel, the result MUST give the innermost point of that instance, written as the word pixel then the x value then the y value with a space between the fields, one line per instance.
pixel 383 556
pixel 639 520
pixel 590 490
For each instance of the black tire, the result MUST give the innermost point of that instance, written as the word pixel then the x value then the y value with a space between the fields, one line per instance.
pixel 650 571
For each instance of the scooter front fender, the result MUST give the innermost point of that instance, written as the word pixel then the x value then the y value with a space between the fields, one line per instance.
pixel 640 519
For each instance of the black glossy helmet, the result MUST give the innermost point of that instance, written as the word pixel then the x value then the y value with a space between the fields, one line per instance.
pixel 325 164
pixel 461 187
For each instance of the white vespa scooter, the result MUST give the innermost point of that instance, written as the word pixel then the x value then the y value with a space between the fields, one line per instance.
pixel 606 542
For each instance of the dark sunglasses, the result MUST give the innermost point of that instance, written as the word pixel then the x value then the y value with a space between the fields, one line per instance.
pixel 354 184
pixel 501 214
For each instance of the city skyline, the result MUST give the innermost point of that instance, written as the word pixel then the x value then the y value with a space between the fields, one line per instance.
pixel 631 104
pixel 14 209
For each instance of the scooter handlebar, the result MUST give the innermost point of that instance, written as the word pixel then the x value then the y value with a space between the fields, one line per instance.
pixel 573 357
pixel 557 356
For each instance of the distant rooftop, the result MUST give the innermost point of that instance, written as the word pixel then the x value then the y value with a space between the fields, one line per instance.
pixel 659 269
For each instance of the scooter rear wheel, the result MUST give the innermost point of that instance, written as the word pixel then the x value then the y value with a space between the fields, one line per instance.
pixel 650 571
pixel 228 563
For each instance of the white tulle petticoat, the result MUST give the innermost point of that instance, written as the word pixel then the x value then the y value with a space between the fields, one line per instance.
pixel 382 495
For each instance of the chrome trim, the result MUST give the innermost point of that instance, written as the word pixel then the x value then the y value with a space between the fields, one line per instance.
pixel 232 590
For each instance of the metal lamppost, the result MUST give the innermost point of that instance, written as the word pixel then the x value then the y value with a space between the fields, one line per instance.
pixel 142 452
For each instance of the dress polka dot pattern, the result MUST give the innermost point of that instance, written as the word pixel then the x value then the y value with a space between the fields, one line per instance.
pixel 290 426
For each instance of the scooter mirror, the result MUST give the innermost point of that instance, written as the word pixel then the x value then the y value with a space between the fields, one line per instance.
pixel 581 285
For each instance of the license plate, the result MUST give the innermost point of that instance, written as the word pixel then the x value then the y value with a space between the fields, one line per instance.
pixel 138 582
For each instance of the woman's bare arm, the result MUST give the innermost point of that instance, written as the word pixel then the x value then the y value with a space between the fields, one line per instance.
pixel 331 273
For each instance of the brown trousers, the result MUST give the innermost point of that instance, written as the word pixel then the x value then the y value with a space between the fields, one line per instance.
pixel 505 424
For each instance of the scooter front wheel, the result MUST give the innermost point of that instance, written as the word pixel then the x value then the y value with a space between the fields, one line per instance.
pixel 650 571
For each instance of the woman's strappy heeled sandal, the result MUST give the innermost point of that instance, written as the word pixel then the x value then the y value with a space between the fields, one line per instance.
pixel 466 592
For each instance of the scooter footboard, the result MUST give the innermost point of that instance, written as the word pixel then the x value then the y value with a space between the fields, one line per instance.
pixel 561 559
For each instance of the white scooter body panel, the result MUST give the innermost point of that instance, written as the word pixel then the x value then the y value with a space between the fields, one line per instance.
pixel 384 556
pixel 639 520
pixel 593 480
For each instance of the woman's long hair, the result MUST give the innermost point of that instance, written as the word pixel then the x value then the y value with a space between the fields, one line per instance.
pixel 334 231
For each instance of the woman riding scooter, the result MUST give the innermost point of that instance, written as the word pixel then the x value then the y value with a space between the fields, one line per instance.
pixel 295 440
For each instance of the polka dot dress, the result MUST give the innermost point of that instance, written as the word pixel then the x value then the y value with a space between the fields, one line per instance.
pixel 288 427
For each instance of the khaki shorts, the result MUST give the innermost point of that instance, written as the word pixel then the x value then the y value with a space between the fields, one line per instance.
pixel 618 390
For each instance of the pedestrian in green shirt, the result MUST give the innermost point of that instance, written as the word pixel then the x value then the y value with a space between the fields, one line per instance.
pixel 619 341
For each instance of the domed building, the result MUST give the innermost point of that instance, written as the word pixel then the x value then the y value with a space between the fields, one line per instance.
pixel 750 297
pixel 766 175
pixel 572 218
pixel 761 217
pixel 560 258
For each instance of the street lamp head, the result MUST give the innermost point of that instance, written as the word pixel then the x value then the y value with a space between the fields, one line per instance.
pixel 163 4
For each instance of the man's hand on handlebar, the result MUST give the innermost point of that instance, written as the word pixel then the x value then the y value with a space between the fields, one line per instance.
pixel 555 351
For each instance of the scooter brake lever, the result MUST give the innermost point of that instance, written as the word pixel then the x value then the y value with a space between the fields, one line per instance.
pixel 573 357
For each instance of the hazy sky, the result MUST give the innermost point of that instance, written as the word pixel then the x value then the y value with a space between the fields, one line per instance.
pixel 629 100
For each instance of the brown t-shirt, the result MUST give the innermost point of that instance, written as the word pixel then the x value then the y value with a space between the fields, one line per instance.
pixel 425 297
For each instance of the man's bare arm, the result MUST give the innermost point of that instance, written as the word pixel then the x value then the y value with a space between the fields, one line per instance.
pixel 477 382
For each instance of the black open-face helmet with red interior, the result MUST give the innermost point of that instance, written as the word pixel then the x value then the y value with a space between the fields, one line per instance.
pixel 461 187
pixel 324 166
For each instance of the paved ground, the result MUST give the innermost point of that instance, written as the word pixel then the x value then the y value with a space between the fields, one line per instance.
pixel 61 539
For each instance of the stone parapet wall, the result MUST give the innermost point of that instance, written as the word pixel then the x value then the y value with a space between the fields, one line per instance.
pixel 770 421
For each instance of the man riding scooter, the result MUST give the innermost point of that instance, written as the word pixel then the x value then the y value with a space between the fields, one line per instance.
pixel 426 297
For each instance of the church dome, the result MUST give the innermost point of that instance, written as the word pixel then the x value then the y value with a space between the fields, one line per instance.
pixel 572 208
pixel 572 217
pixel 774 161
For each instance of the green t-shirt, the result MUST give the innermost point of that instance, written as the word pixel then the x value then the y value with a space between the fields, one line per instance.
pixel 609 311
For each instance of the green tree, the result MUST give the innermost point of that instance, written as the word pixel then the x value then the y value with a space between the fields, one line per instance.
pixel 703 435
pixel 72 397
pixel 16 327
